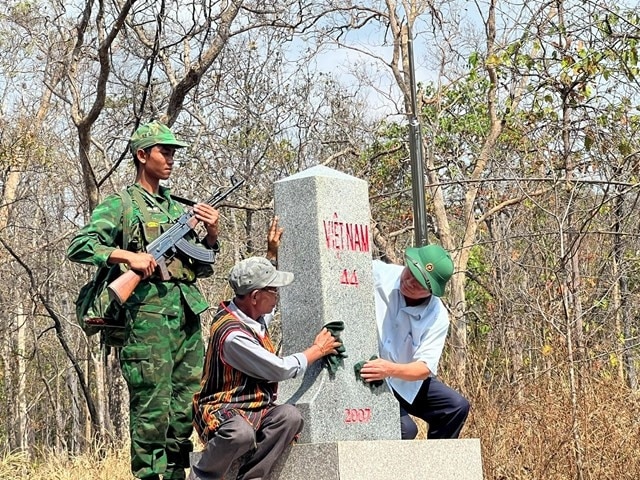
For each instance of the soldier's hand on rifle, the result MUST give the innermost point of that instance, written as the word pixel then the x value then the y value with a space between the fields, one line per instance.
pixel 143 263
pixel 209 216
pixel 273 239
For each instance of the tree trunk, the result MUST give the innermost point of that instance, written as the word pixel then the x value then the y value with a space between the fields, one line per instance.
pixel 76 413
pixel 620 314
pixel 118 396
pixel 98 373
pixel 21 398
pixel 9 408
pixel 624 317
pixel 458 332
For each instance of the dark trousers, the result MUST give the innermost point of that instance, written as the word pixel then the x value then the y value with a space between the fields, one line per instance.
pixel 236 437
pixel 444 409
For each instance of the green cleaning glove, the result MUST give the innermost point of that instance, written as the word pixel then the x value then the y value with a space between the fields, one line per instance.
pixel 358 366
pixel 333 361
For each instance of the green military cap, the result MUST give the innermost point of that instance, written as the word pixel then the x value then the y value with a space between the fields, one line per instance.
pixel 431 265
pixel 153 133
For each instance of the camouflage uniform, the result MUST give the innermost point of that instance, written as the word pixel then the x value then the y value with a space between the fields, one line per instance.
pixel 163 352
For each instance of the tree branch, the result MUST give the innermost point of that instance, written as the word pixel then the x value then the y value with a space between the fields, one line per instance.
pixel 59 334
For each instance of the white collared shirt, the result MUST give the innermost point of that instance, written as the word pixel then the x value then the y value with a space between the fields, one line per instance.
pixel 407 334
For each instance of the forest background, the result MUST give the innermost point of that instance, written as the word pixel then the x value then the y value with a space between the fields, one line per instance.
pixel 529 116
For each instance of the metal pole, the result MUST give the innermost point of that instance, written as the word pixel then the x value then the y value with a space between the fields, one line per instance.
pixel 417 159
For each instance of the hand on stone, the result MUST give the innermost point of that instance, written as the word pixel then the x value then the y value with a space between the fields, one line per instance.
pixel 375 370
pixel 273 239
pixel 326 342
pixel 357 369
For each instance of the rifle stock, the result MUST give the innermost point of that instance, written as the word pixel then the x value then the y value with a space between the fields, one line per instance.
pixel 122 287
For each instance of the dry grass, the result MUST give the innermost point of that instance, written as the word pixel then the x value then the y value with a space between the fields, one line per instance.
pixel 525 431
pixel 51 466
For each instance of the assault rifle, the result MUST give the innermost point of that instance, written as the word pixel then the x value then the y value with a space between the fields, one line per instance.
pixel 165 247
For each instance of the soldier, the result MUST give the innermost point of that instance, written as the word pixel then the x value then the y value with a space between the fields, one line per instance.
pixel 163 351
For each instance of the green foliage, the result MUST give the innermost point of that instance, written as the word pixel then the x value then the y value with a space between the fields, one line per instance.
pixel 385 164
pixel 20 147
pixel 478 268
pixel 459 121
pixel 22 8
pixel 478 299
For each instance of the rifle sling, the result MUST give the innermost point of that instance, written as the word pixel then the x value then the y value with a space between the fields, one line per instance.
pixel 142 205
pixel 184 201
pixel 127 217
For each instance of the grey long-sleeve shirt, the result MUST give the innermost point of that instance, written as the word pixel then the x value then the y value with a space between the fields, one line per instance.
pixel 244 353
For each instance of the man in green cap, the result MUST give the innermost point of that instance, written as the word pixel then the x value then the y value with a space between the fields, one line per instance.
pixel 412 326
pixel 163 351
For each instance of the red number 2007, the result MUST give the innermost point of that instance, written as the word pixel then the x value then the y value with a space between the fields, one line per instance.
pixel 357 415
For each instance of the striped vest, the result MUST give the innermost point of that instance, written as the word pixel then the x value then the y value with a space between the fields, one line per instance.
pixel 225 391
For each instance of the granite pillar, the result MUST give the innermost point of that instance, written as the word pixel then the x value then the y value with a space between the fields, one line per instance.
pixel 351 431
pixel 327 244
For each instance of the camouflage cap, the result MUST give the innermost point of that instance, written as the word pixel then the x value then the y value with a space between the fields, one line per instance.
pixel 255 273
pixel 153 133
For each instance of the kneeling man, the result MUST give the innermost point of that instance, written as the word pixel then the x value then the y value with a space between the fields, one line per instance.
pixel 235 411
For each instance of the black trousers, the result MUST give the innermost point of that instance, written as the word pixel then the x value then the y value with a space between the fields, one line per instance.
pixel 444 410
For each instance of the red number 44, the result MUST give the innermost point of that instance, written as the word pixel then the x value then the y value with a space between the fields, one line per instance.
pixel 349 278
